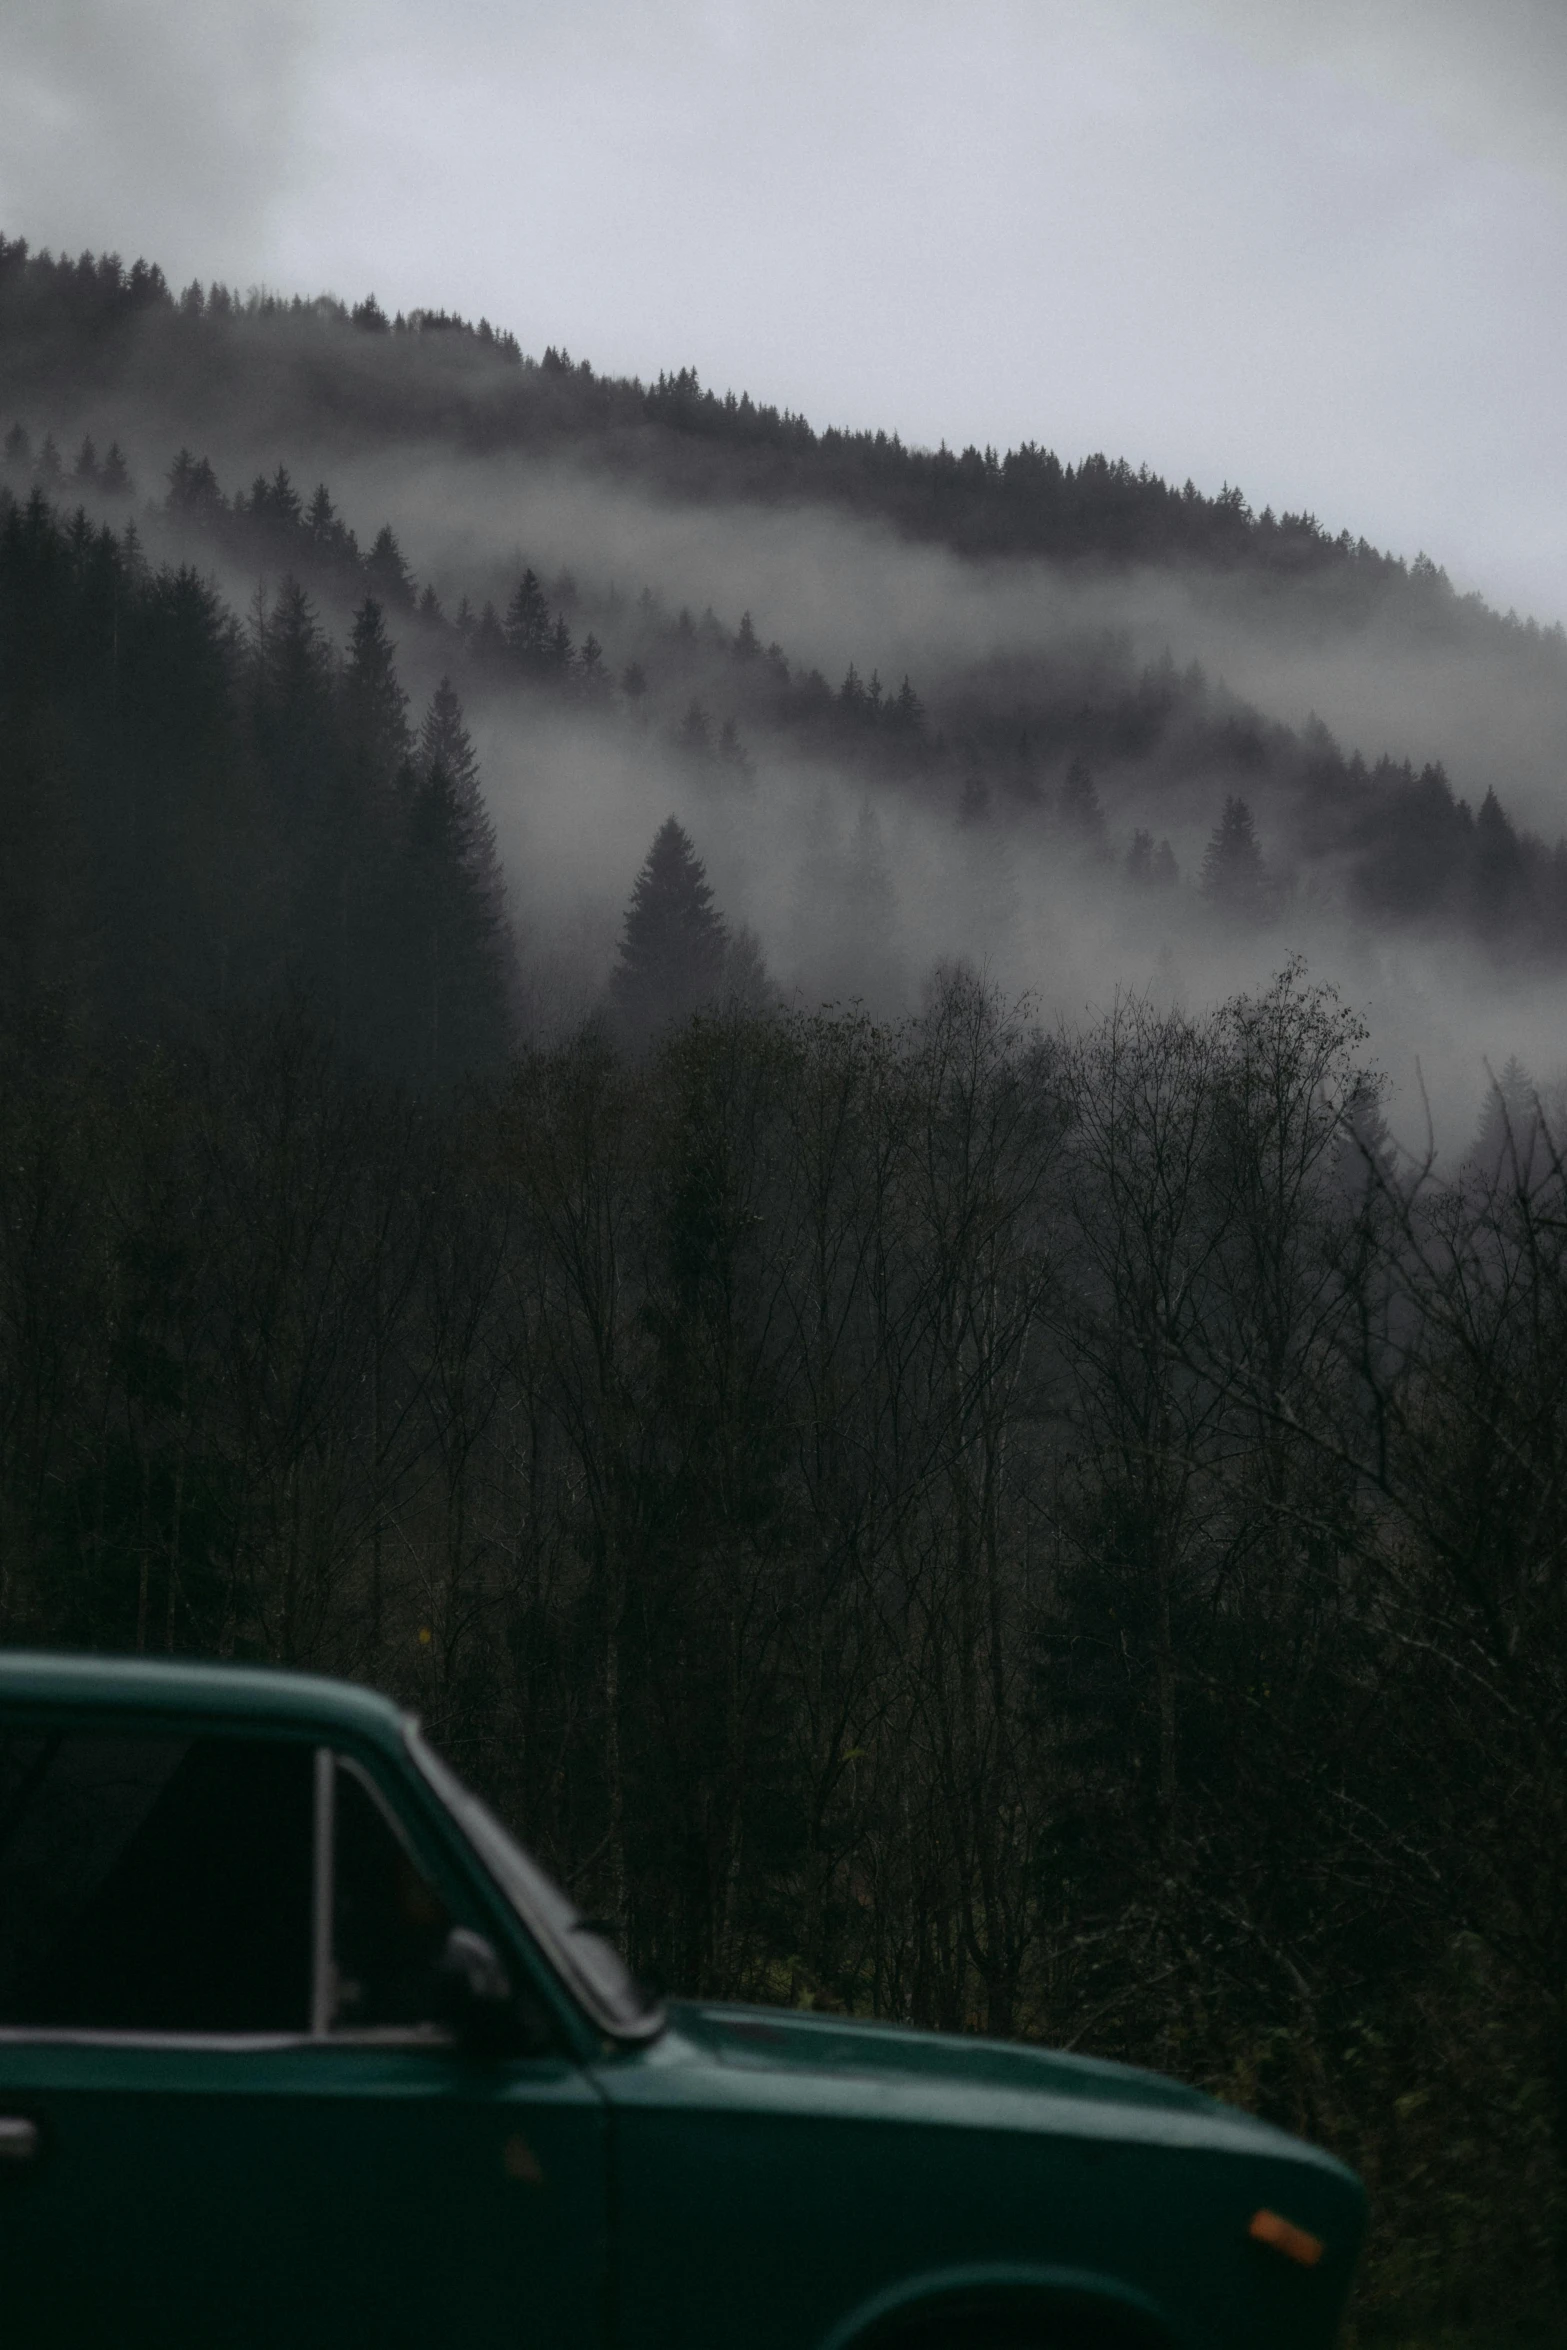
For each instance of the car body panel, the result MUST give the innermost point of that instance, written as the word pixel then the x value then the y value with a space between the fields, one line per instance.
pixel 302 2195
pixel 912 2186
pixel 791 2181
pixel 205 1692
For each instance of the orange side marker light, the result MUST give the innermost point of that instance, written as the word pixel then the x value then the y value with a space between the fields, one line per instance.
pixel 1293 2242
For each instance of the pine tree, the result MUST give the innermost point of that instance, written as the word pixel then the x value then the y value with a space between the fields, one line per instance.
pixel 1233 874
pixel 1497 868
pixel 375 706
pixel 593 679
pixel 297 741
pixel 466 962
pixel 561 656
pixel 453 936
pixel 193 487
pixel 293 694
pixel 445 744
pixel 388 573
pixel 907 711
pixel 1510 1144
pixel 363 820
pixel 672 954
pixel 527 626
pixel 277 499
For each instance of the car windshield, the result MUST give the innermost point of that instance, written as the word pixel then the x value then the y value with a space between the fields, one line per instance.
pixel 593 1968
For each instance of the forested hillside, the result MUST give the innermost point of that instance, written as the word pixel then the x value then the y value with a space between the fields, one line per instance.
pixel 1076 733
pixel 91 329
pixel 196 818
pixel 534 1176
pixel 93 326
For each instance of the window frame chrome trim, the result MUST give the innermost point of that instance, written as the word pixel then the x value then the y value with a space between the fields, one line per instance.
pixel 323 1963
pixel 553 1948
pixel 198 2043
pixel 432 2036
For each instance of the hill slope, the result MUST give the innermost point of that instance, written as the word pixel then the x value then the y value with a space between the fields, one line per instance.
pixel 911 704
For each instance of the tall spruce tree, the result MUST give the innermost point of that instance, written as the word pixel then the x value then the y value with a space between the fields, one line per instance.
pixel 1498 881
pixel 453 942
pixel 1233 874
pixel 297 750
pixel 672 954
pixel 388 572
pixel 446 751
pixel 375 707
pixel 527 626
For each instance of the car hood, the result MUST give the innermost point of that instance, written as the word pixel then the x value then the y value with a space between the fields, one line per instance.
pixel 783 2042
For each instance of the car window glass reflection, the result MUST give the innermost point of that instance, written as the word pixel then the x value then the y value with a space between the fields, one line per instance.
pixel 389 1925
pixel 154 1884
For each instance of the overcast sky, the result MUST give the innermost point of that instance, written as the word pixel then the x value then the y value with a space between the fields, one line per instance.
pixel 1316 247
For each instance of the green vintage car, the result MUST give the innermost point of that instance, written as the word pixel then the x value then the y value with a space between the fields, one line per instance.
pixel 297 2048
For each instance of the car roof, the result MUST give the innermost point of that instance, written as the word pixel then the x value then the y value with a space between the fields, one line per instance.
pixel 156 1685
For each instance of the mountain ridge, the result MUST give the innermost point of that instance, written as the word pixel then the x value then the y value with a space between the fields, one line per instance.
pixel 128 329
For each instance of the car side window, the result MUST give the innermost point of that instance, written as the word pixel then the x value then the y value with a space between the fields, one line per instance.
pixel 389 1925
pixel 207 1885
pixel 155 1883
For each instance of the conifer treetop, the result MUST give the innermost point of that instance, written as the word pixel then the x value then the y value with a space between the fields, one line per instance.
pixel 672 951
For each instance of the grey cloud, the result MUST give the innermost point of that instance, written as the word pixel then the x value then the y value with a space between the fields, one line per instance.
pixel 162 126
pixel 1226 236
pixel 576 802
pixel 1492 72
pixel 829 587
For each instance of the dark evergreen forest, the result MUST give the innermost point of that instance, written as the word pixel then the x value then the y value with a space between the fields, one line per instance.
pixel 1025 1525
pixel 1083 746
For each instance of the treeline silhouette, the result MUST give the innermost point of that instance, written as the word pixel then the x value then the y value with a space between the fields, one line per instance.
pixel 196 816
pixel 1403 849
pixel 321 367
pixel 1056 1534
pixel 1402 846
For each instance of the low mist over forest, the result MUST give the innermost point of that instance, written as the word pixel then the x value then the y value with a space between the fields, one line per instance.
pixel 909 706
pixel 855 1152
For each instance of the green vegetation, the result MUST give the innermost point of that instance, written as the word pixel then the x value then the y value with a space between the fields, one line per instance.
pixel 1037 1535
pixel 1043 1531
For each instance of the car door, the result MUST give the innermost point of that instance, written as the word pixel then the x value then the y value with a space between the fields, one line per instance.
pixel 229 2112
